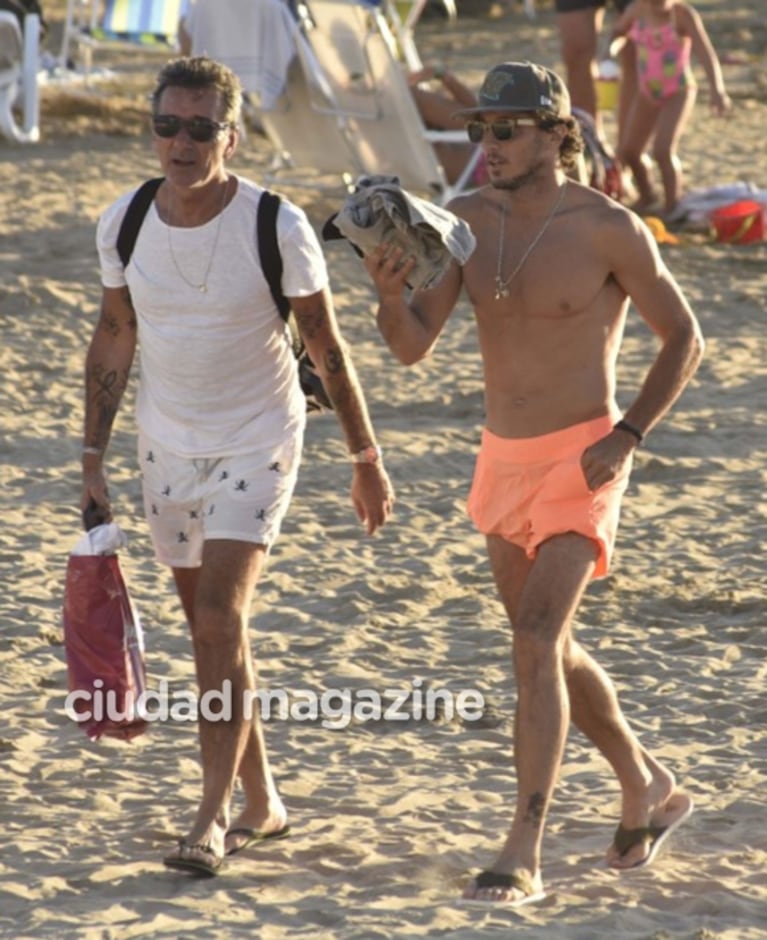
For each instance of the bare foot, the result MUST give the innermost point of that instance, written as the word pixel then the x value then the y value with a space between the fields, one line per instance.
pixel 509 889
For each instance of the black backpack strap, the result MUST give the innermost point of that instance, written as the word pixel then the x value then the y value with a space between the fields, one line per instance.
pixel 317 398
pixel 269 249
pixel 134 218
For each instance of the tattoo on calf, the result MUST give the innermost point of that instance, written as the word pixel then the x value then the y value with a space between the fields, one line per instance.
pixel 535 809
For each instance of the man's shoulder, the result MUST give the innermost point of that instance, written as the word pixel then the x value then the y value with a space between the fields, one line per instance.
pixel 112 216
pixel 599 208
pixel 468 205
pixel 612 231
pixel 252 192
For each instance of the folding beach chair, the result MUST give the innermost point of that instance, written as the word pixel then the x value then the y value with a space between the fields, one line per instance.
pixel 352 78
pixel 19 58
pixel 309 135
pixel 402 16
pixel 148 25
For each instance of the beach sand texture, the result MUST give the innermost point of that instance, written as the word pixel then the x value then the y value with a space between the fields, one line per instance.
pixel 389 819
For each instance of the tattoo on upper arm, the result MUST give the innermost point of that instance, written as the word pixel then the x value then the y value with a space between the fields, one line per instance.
pixel 311 320
pixel 113 323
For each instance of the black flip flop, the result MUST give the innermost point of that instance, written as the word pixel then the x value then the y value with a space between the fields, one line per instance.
pixel 253 836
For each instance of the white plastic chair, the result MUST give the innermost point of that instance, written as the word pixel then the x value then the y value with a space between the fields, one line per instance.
pixel 19 58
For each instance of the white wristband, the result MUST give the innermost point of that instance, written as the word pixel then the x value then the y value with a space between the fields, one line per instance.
pixel 96 451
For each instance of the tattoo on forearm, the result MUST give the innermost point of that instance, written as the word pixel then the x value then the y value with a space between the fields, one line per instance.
pixel 535 809
pixel 106 386
pixel 105 389
pixel 344 389
pixel 334 360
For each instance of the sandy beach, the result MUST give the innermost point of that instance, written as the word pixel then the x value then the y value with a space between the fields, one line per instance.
pixel 389 819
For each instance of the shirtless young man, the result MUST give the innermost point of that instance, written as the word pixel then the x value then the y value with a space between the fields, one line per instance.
pixel 550 281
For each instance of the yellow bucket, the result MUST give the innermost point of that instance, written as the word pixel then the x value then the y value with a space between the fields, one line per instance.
pixel 608 85
pixel 607 93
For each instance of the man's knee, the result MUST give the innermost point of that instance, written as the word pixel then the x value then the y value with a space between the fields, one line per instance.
pixel 536 654
pixel 217 622
pixel 537 633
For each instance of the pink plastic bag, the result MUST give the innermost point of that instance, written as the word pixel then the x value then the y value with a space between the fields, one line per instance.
pixel 104 648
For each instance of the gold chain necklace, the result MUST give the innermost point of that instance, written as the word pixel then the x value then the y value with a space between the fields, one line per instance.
pixel 203 286
pixel 501 286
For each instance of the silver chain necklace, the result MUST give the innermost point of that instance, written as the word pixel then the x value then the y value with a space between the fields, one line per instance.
pixel 203 286
pixel 501 286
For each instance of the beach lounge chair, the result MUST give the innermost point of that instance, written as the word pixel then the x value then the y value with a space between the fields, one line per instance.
pixel 19 57
pixel 351 81
pixel 146 25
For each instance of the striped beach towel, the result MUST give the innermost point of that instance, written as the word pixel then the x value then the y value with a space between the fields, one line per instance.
pixel 148 22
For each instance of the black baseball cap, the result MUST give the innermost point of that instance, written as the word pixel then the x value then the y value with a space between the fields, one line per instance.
pixel 522 86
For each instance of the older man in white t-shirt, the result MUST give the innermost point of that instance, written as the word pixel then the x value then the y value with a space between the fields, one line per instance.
pixel 220 415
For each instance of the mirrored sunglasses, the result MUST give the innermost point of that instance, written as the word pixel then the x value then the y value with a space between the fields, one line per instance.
pixel 502 129
pixel 200 129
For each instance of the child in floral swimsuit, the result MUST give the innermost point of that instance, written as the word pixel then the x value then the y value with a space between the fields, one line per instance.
pixel 665 33
pixel 663 59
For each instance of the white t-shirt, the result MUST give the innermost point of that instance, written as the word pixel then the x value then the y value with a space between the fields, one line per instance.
pixel 217 372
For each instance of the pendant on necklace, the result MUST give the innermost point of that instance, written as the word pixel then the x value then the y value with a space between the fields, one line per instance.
pixel 500 289
pixel 203 288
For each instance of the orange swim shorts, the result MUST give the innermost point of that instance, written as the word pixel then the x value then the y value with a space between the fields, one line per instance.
pixel 529 489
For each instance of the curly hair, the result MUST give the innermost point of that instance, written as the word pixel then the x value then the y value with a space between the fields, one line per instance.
pixel 200 72
pixel 572 142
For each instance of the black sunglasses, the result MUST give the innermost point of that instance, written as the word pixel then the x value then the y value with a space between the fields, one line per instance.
pixel 502 129
pixel 200 129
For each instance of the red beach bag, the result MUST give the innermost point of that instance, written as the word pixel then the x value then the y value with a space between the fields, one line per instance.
pixel 104 648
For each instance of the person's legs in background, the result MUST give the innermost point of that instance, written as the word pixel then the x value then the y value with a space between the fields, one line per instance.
pixel 671 123
pixel 637 132
pixel 579 25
